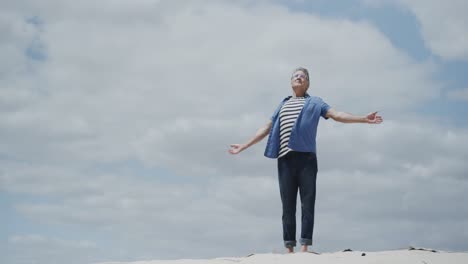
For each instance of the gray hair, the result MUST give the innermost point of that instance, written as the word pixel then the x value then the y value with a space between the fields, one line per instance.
pixel 305 71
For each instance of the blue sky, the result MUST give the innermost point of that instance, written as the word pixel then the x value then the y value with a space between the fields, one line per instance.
pixel 117 117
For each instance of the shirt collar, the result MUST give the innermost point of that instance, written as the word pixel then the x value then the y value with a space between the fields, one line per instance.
pixel 289 97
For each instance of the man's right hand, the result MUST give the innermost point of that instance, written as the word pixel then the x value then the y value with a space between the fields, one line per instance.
pixel 261 133
pixel 236 148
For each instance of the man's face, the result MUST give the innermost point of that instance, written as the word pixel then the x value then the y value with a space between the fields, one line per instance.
pixel 299 81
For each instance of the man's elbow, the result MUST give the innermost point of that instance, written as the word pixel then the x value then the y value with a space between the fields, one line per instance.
pixel 338 117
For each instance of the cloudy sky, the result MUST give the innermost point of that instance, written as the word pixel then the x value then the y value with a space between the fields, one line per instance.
pixel 116 117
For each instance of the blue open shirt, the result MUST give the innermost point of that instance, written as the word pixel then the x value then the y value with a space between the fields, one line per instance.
pixel 304 130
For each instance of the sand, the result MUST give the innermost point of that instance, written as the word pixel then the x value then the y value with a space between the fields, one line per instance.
pixel 406 256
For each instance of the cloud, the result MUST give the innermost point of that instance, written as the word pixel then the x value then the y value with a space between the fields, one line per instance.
pixel 173 82
pixel 171 85
pixel 39 239
pixel 444 26
pixel 369 177
pixel 458 95
pixel 35 248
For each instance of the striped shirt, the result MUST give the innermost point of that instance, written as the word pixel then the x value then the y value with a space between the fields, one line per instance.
pixel 287 116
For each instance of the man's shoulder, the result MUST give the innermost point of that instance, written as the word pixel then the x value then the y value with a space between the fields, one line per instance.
pixel 316 98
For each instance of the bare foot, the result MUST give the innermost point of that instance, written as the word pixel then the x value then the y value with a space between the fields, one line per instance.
pixel 290 250
pixel 304 248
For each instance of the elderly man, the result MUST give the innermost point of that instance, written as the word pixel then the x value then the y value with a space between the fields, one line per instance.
pixel 292 134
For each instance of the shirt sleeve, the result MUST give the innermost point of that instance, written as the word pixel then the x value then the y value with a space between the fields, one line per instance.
pixel 324 109
pixel 275 114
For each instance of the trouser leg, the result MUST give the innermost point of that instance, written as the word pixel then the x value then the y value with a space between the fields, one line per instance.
pixel 288 190
pixel 307 188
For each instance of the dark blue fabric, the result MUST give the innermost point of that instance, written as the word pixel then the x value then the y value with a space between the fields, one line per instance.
pixel 298 171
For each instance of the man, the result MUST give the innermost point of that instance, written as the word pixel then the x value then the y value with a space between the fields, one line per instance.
pixel 292 134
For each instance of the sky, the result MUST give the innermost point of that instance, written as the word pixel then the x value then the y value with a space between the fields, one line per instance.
pixel 116 117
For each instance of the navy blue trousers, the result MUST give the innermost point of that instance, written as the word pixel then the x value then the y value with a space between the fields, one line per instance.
pixel 297 171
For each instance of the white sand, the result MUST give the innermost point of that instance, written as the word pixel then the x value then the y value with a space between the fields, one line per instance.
pixel 354 257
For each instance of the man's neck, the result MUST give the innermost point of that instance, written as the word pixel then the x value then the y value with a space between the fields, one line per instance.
pixel 298 94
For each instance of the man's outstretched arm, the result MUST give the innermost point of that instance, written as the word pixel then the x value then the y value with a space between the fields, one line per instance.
pixel 343 117
pixel 261 133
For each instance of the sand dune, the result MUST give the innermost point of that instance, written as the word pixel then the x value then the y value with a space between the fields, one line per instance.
pixel 407 256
